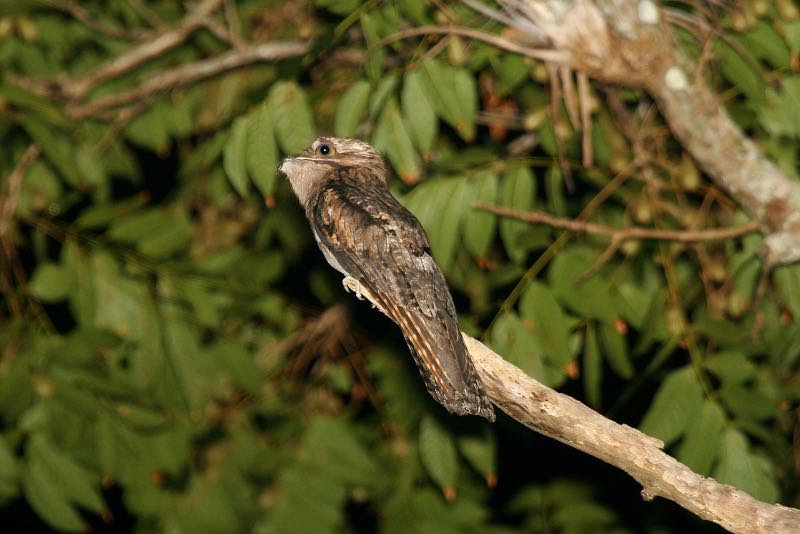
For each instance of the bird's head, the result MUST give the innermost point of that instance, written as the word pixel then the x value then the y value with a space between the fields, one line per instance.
pixel 331 158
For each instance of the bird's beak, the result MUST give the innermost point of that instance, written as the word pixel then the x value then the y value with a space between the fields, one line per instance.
pixel 287 165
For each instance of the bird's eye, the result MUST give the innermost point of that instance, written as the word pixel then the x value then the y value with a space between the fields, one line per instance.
pixel 325 150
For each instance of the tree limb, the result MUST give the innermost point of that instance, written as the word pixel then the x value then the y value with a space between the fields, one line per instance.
pixel 76 88
pixel 184 75
pixel 13 185
pixel 623 234
pixel 565 419
pixel 631 44
pixel 494 40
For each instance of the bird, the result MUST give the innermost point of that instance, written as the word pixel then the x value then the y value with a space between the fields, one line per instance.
pixel 383 252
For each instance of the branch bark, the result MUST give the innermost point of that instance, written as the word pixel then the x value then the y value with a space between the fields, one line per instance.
pixel 188 74
pixel 623 234
pixel 68 88
pixel 631 44
pixel 565 419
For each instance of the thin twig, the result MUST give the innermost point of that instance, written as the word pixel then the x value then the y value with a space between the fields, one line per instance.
pixel 188 74
pixel 146 14
pixel 234 24
pixel 80 14
pixel 623 234
pixel 77 88
pixel 494 40
pixel 10 200
pixel 556 95
pixel 8 209
pixel 584 99
pixel 570 97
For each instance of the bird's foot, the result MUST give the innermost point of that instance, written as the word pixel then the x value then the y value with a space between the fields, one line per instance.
pixel 351 284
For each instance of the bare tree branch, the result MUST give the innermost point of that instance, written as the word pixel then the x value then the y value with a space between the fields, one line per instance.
pixel 495 40
pixel 79 13
pixel 13 185
pixel 565 419
pixel 624 234
pixel 188 74
pixel 9 200
pixel 77 88
pixel 631 43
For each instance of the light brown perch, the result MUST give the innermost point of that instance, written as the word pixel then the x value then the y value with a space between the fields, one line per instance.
pixel 563 418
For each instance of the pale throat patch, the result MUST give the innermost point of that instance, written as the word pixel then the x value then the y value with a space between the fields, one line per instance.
pixel 303 174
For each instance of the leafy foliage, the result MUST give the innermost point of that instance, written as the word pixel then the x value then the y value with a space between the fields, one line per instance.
pixel 165 363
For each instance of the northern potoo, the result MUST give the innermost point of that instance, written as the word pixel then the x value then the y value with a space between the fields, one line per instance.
pixel 369 237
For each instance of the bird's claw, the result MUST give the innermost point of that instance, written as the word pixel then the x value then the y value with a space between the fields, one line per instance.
pixel 351 284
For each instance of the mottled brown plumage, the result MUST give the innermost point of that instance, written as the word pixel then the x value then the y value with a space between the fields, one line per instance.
pixel 366 234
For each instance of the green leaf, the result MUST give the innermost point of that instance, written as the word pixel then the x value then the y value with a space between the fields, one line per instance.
pixel 740 72
pixel 100 215
pixel 615 349
pixel 743 469
pixel 512 70
pixel 699 448
pixel 787 282
pixel 171 239
pixel 479 226
pixel 182 348
pixel 384 90
pixel 56 148
pixel 294 126
pixel 677 400
pixel 138 225
pixel 731 367
pixel 90 165
pixel 453 94
pixel 466 99
pixel 40 188
pixel 549 323
pixel 262 151
pixel 391 138
pixel 746 402
pixel 234 156
pixel 517 190
pixel 150 129
pixel 120 299
pixel 78 485
pixel 418 112
pixel 47 498
pixel 351 109
pixel 9 472
pixel 50 282
pixel 82 297
pixel 588 298
pixel 765 42
pixel 438 453
pixel 480 450
pixel 448 202
pixel 592 367
pixel 375 53
pixel 521 347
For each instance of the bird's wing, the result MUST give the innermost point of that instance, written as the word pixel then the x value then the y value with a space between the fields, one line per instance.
pixel 378 242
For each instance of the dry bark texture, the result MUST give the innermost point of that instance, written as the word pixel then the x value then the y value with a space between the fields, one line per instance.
pixel 563 418
pixel 569 421
pixel 630 43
